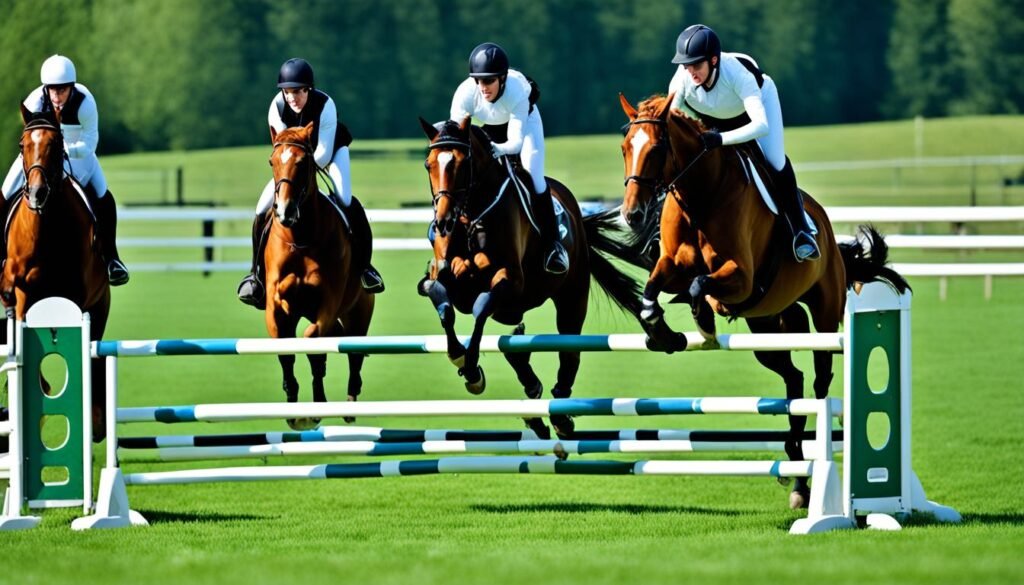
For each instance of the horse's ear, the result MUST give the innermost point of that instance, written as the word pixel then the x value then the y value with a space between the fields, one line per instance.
pixel 273 134
pixel 429 129
pixel 666 106
pixel 464 124
pixel 308 130
pixel 26 115
pixel 627 107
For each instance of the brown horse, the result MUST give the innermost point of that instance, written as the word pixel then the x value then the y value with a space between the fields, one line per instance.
pixel 309 267
pixel 52 250
pixel 723 251
pixel 488 258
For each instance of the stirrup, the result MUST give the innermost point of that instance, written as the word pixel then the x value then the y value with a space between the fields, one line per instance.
pixel 371 281
pixel 117 272
pixel 250 292
pixel 805 247
pixel 558 260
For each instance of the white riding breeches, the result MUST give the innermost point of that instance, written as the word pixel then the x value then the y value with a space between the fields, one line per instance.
pixel 339 172
pixel 532 154
pixel 772 144
pixel 86 171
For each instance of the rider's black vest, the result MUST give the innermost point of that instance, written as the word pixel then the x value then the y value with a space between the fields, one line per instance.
pixel 69 113
pixel 311 113
pixel 726 124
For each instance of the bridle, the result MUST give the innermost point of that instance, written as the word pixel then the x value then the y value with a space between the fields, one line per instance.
pixel 49 178
pixel 656 185
pixel 459 197
pixel 310 178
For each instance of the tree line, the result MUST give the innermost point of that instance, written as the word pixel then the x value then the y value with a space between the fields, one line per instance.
pixel 188 74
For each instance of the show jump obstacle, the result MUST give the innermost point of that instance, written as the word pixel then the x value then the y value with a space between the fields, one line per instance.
pixel 878 482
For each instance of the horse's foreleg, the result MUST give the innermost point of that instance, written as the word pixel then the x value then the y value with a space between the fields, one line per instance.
pixel 438 295
pixel 483 308
pixel 660 337
pixel 730 283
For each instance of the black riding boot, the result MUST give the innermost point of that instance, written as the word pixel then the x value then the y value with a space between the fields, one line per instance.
pixel 362 238
pixel 791 204
pixel 251 290
pixel 556 259
pixel 106 230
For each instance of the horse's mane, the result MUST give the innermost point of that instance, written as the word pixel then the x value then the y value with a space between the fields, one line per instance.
pixel 650 107
pixel 292 135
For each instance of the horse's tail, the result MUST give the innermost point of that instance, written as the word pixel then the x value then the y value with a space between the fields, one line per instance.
pixel 601 229
pixel 866 257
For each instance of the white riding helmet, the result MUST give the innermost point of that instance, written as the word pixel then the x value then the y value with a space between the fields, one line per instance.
pixel 57 70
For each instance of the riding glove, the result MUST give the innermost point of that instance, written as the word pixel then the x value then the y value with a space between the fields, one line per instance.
pixel 712 139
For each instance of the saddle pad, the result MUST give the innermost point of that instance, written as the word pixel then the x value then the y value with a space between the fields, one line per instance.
pixel 751 169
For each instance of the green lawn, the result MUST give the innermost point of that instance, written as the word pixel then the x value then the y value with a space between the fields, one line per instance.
pixel 968 406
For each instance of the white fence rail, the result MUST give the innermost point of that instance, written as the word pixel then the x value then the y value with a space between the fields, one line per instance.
pixel 839 215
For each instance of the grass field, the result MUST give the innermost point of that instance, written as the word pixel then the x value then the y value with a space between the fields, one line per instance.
pixel 968 406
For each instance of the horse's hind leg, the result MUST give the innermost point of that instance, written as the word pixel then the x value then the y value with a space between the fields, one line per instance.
pixel 570 311
pixel 792 320
pixel 532 386
pixel 358 323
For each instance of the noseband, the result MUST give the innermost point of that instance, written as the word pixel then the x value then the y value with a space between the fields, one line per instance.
pixel 304 188
pixel 50 176
pixel 458 196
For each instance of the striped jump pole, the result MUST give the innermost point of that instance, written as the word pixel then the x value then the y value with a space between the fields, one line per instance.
pixel 381 435
pixel 534 465
pixel 519 408
pixel 417 344
pixel 559 447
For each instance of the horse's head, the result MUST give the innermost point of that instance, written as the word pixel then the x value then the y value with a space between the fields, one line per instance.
pixel 42 154
pixel 294 171
pixel 646 153
pixel 449 165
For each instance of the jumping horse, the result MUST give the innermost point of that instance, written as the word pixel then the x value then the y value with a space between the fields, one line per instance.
pixel 52 249
pixel 309 268
pixel 722 250
pixel 488 260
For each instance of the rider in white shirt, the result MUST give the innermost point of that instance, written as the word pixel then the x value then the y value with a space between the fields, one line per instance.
pixel 296 105
pixel 498 96
pixel 79 124
pixel 732 97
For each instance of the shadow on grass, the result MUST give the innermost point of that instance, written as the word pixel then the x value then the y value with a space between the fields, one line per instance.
pixel 155 517
pixel 586 508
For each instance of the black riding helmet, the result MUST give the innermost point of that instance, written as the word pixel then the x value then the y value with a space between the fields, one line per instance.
pixel 695 44
pixel 488 60
pixel 295 73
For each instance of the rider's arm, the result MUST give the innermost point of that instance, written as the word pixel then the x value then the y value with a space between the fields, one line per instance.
pixel 745 86
pixel 325 142
pixel 34 101
pixel 462 101
pixel 514 144
pixel 89 118
pixel 677 89
pixel 274 115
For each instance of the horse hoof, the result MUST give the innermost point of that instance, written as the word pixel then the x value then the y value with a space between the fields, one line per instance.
pixel 534 391
pixel 560 452
pixel 564 426
pixel 303 424
pixel 478 386
pixel 350 419
pixel 798 499
pixel 679 342
pixel 539 428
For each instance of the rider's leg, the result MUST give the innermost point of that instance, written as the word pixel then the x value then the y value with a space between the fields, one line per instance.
pixel 362 235
pixel 791 201
pixel 556 259
pixel 106 226
pixel 251 290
